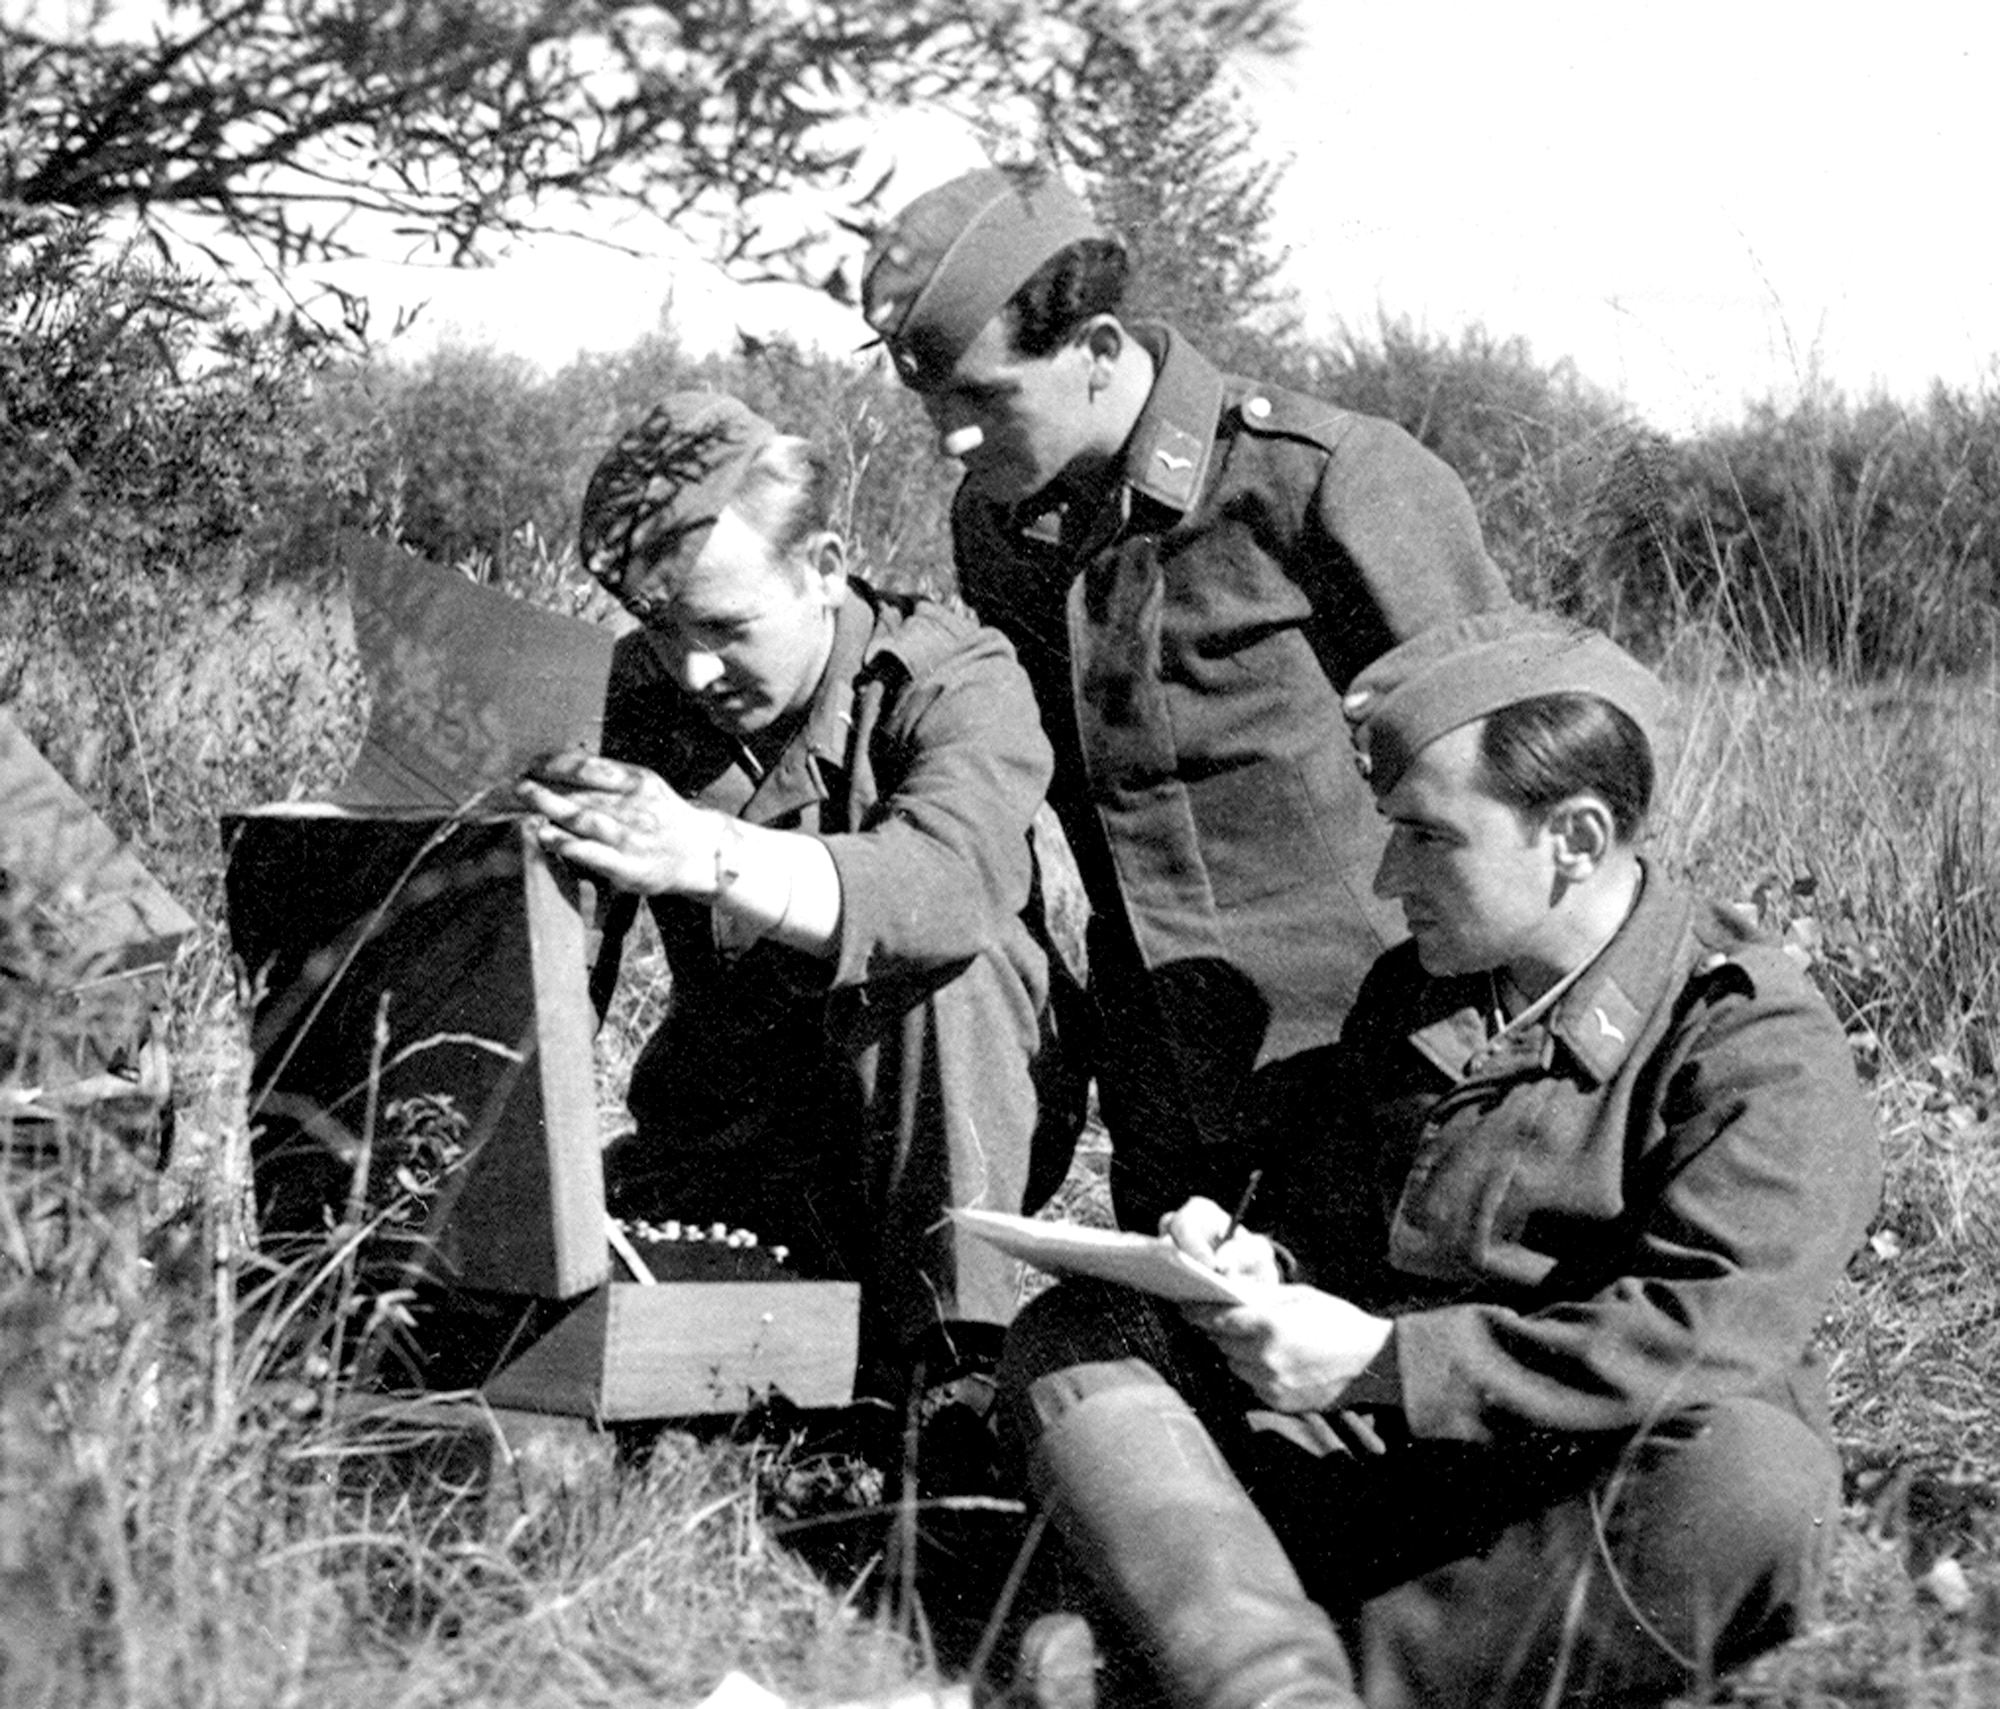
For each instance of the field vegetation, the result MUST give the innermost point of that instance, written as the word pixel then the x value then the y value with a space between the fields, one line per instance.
pixel 190 1517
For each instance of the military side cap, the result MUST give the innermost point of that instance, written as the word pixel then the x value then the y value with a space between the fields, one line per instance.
pixel 657 492
pixel 948 262
pixel 1458 672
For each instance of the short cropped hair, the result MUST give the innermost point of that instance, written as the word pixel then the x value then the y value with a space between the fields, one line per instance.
pixel 788 494
pixel 1080 281
pixel 1536 753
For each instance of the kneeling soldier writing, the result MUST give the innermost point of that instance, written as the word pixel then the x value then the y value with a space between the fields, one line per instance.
pixel 1522 1409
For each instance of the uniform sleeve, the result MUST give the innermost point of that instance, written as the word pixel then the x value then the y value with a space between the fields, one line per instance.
pixel 1724 1267
pixel 624 697
pixel 1406 523
pixel 943 865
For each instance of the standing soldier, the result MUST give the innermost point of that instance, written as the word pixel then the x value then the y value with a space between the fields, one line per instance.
pixel 1192 567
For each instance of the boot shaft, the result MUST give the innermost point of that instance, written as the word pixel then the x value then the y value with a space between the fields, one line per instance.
pixel 1167 1536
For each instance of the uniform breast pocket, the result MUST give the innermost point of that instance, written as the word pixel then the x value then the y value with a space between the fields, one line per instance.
pixel 1459 1220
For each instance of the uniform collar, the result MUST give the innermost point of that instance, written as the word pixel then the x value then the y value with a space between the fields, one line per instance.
pixel 1597 1021
pixel 832 716
pixel 798 775
pixel 1166 454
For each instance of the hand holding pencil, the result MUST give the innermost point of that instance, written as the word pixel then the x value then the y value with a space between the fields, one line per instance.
pixel 1297 1348
pixel 1218 1239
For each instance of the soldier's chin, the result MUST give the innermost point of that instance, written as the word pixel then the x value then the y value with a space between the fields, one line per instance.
pixel 735 717
pixel 996 481
pixel 1436 958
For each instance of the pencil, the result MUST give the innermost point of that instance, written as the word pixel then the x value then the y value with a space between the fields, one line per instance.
pixel 1242 1207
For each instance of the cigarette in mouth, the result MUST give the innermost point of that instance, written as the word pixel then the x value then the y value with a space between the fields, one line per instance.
pixel 961 440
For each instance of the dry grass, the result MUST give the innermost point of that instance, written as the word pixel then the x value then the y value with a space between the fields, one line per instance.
pixel 1862 822
pixel 183 1523
pixel 188 1517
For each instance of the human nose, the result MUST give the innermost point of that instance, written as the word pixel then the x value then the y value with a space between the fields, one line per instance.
pixel 1389 875
pixel 699 670
pixel 958 434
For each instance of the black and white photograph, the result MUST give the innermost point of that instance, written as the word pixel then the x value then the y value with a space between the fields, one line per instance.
pixel 998 854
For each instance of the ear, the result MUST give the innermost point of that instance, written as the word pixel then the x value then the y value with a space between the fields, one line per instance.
pixel 826 568
pixel 1102 340
pixel 1582 834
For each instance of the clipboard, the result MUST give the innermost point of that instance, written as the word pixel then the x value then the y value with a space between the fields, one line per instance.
pixel 1149 1262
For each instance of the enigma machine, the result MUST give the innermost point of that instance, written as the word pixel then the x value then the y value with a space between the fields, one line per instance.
pixel 423 1102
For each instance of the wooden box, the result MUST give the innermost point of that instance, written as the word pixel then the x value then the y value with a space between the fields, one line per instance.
pixel 404 957
pixel 679 1349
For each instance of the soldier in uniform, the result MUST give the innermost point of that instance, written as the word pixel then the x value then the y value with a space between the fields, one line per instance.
pixel 825 793
pixel 1521 1408
pixel 1192 567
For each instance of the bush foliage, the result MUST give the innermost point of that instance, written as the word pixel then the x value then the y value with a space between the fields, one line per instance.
pixel 183 1517
pixel 163 474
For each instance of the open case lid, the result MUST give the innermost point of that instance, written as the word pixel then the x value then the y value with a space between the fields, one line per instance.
pixel 416 895
pixel 466 684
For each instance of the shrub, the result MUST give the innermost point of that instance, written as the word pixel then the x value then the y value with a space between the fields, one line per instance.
pixel 161 635
pixel 144 428
pixel 463 447
pixel 1854 537
pixel 1858 818
pixel 1858 537
pixel 479 461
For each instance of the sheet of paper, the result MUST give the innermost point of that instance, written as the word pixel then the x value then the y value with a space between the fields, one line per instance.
pixel 1148 1262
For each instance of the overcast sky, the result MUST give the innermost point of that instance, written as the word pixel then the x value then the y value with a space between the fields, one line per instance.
pixel 1698 203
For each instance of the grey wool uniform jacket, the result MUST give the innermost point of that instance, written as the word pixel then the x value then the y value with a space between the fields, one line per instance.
pixel 1638 1203
pixel 867 1093
pixel 1189 638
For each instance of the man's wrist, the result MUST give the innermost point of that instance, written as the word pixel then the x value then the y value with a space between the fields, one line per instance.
pixel 1380 1382
pixel 726 863
pixel 753 885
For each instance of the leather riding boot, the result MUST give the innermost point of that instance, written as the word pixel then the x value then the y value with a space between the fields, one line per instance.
pixel 1140 1493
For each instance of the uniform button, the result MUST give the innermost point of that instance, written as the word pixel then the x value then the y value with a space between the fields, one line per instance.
pixel 1257 408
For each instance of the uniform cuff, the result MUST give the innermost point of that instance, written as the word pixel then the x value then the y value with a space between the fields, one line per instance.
pixel 1381 1383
